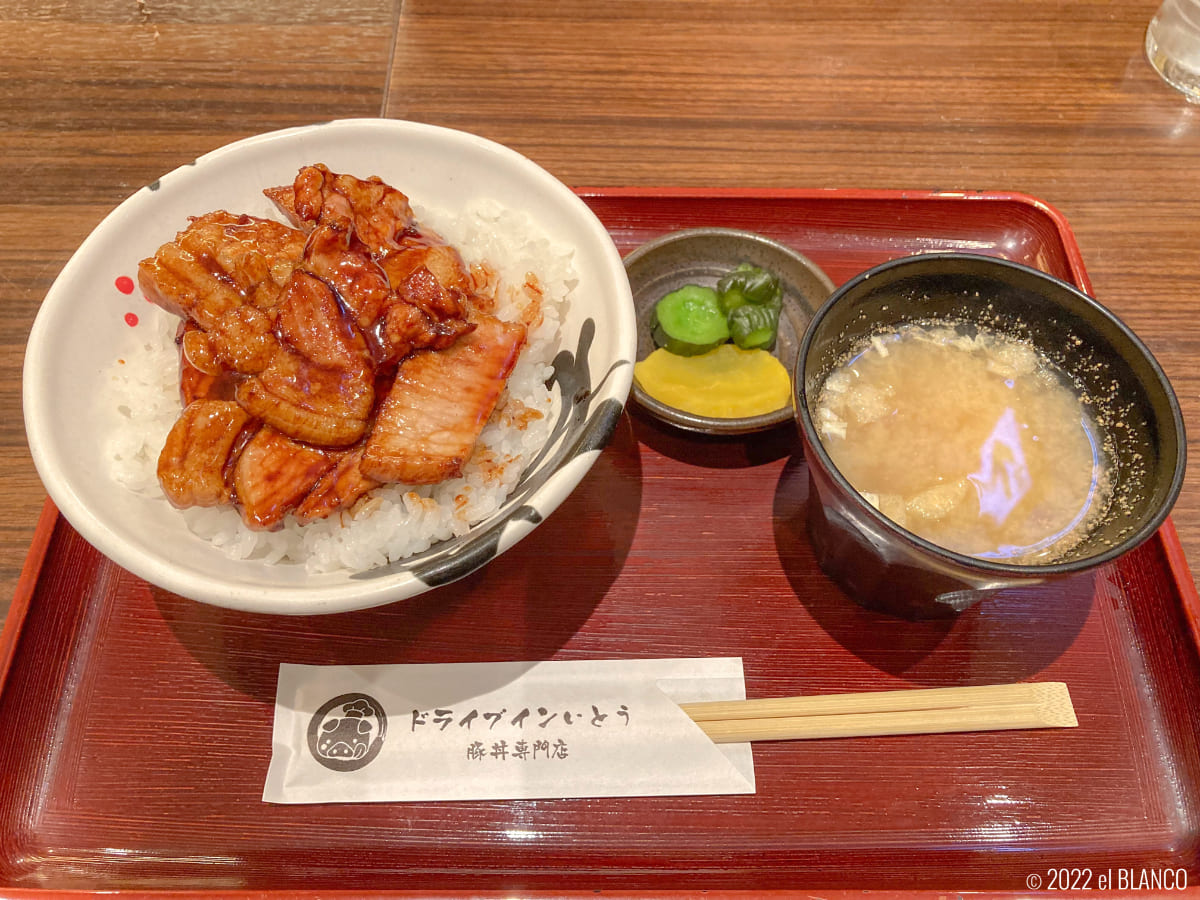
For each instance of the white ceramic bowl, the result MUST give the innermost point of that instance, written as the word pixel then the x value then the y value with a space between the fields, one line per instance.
pixel 81 329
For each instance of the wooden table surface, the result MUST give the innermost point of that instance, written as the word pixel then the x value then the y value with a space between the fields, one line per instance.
pixel 1051 99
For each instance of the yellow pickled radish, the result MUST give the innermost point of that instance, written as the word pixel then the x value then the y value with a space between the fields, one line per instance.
pixel 725 383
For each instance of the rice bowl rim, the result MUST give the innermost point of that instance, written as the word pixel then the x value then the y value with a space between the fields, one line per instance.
pixel 155 557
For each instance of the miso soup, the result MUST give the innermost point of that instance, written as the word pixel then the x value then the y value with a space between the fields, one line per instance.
pixel 968 438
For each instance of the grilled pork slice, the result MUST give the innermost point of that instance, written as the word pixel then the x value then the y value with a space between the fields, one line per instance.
pixel 431 292
pixel 320 385
pixel 405 287
pixel 427 426
pixel 311 321
pixel 196 384
pixel 428 251
pixel 193 467
pixel 347 267
pixel 423 290
pixel 273 474
pixel 337 489
pixel 220 262
pixel 405 328
pixel 380 215
pixel 309 402
pixel 241 341
pixel 284 198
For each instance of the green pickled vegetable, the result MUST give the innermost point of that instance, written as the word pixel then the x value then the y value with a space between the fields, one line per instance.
pixel 748 284
pixel 690 321
pixel 752 299
pixel 745 307
pixel 753 326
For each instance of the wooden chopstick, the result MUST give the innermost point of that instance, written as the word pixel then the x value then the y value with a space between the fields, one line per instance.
pixel 928 711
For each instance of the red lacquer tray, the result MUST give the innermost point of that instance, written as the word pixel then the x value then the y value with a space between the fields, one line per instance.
pixel 136 724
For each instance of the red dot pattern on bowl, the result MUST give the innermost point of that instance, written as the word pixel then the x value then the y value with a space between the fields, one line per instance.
pixel 125 285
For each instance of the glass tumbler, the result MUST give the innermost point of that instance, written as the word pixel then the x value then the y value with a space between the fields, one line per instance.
pixel 1173 45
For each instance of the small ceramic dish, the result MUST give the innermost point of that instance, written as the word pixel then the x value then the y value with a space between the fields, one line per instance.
pixel 701 256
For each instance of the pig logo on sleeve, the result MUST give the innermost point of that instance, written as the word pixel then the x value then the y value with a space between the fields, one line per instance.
pixel 347 732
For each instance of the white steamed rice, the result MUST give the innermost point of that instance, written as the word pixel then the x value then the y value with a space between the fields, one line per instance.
pixel 394 521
